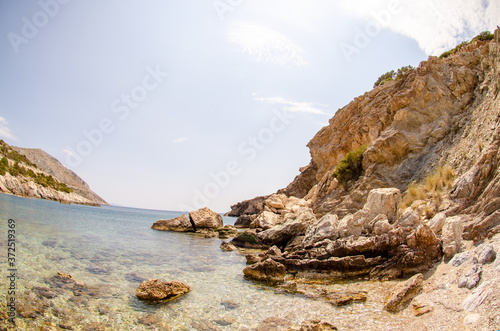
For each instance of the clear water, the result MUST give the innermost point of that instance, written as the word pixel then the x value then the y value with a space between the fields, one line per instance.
pixel 113 249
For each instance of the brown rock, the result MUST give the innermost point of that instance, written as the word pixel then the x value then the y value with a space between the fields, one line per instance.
pixel 316 325
pixel 244 221
pixel 205 218
pixel 404 293
pixel 228 247
pixel 178 224
pixel 267 270
pixel 156 290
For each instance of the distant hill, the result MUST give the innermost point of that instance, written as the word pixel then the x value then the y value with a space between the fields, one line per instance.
pixel 52 166
pixel 34 173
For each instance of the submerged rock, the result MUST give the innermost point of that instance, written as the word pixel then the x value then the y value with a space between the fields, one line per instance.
pixel 316 325
pixel 267 270
pixel 404 293
pixel 178 224
pixel 155 290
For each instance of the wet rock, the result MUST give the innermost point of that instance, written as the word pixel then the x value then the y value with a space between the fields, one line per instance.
pixel 487 253
pixel 229 305
pixel 459 259
pixel 227 232
pixel 267 270
pixel 156 290
pixel 205 218
pixel 404 293
pixel 134 277
pixel 153 320
pixel 472 278
pixel 344 299
pixel 452 236
pixel 204 325
pixel 228 247
pixel 46 292
pixel 178 224
pixel 274 324
pixel 247 239
pixel 225 321
pixel 316 325
pixel 244 221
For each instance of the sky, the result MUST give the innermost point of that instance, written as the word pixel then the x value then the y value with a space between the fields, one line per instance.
pixel 177 105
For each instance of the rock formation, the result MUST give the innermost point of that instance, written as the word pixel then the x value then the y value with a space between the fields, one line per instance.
pixel 35 174
pixel 178 224
pixel 442 115
pixel 155 290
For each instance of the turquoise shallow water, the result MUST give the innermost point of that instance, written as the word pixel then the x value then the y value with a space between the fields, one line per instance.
pixel 112 249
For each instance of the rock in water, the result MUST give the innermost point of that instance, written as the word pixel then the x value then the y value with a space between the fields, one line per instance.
pixel 316 325
pixel 155 290
pixel 404 293
pixel 267 270
pixel 205 218
pixel 228 247
pixel 178 224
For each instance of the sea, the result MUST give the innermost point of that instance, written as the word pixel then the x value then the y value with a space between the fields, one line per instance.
pixel 109 251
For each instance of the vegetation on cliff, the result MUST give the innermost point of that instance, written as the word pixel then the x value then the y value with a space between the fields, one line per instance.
pixel 19 165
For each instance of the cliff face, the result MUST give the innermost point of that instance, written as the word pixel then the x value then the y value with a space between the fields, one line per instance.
pixel 445 112
pixel 50 165
pixel 34 173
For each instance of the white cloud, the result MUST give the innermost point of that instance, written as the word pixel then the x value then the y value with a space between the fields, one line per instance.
pixel 179 140
pixel 296 107
pixel 5 131
pixel 68 152
pixel 435 25
pixel 266 45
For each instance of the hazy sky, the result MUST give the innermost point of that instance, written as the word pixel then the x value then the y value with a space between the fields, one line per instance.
pixel 176 104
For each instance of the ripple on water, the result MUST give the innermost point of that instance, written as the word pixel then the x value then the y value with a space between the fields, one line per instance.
pixel 110 250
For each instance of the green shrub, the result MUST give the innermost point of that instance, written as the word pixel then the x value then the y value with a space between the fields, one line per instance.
pixel 388 76
pixel 351 167
pixel 483 36
pixel 402 71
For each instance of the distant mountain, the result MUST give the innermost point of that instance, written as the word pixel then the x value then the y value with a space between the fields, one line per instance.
pixel 34 173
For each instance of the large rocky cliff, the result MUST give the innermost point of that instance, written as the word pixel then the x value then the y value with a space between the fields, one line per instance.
pixel 34 173
pixel 428 147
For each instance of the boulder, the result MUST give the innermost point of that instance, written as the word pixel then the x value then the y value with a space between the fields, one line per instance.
pixel 155 290
pixel 325 228
pixel 227 232
pixel 437 222
pixel 276 201
pixel 179 224
pixel 267 270
pixel 404 293
pixel 265 220
pixel 352 224
pixel 316 325
pixel 244 221
pixel 295 224
pixel 228 247
pixel 247 239
pixel 452 236
pixel 248 207
pixel 270 253
pixel 205 218
pixel 383 201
